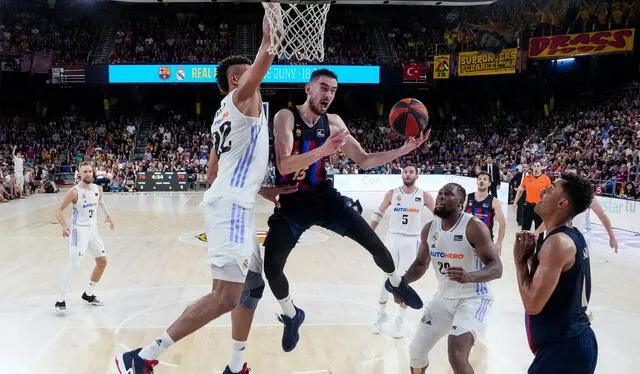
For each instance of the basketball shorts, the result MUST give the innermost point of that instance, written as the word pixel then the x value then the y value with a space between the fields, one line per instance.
pixel 577 355
pixel 85 238
pixel 403 249
pixel 231 239
pixel 322 206
pixel 447 317
pixel 20 180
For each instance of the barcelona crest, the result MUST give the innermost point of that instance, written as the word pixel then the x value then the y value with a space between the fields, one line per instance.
pixel 164 73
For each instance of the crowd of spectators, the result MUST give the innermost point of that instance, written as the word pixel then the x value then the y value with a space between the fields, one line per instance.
pixel 600 135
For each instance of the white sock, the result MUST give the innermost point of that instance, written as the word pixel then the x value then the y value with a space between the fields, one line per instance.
pixel 153 350
pixel 401 312
pixel 238 350
pixel 287 307
pixel 66 278
pixel 383 308
pixel 395 279
pixel 91 290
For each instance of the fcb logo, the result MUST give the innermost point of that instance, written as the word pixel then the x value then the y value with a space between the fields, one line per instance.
pixel 298 132
pixel 164 73
pixel 180 74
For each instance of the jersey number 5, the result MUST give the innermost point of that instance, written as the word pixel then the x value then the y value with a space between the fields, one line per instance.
pixel 220 142
pixel 300 174
pixel 405 219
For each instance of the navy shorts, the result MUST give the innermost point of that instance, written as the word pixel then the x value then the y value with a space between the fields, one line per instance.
pixel 577 355
pixel 322 206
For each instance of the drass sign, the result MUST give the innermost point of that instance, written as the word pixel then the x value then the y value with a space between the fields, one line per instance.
pixel 353 74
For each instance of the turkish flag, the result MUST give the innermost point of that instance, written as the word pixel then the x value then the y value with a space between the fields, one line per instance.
pixel 412 72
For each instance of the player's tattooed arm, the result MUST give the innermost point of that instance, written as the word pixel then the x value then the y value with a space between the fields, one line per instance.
pixel 423 258
pixel 479 237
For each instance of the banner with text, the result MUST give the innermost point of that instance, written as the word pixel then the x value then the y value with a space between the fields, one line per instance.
pixel 586 43
pixel 482 63
pixel 441 65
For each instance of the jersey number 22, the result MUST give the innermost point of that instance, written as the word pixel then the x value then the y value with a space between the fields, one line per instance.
pixel 220 142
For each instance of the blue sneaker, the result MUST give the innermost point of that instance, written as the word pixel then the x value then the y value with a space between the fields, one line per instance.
pixel 131 363
pixel 405 293
pixel 291 335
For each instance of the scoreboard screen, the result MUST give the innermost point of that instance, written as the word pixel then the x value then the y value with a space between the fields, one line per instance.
pixel 161 181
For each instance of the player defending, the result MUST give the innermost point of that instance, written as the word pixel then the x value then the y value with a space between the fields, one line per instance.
pixel 403 236
pixel 487 208
pixel 464 259
pixel 85 197
pixel 305 135
pixel 237 166
pixel 555 282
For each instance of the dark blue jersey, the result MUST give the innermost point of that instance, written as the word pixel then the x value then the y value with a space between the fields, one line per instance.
pixel 563 316
pixel 482 209
pixel 305 139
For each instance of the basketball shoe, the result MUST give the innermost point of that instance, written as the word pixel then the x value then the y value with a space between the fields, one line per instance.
pixel 291 334
pixel 61 308
pixel 380 320
pixel 405 293
pixel 93 300
pixel 131 363
pixel 245 370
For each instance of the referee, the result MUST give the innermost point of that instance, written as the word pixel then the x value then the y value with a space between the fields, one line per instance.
pixel 533 184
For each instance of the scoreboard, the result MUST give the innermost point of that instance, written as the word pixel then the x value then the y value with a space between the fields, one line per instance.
pixel 161 181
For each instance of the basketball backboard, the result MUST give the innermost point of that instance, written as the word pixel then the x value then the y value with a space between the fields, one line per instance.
pixel 335 2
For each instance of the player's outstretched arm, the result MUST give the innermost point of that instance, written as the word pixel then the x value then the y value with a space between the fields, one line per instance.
pixel 71 197
pixel 479 237
pixel 537 284
pixel 366 160
pixel 283 142
pixel 429 202
pixel 602 216
pixel 423 258
pixel 502 222
pixel 251 79
pixel 376 217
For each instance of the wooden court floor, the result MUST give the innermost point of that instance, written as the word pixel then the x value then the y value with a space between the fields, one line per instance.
pixel 157 267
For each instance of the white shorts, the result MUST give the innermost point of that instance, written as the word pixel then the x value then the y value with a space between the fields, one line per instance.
pixel 403 249
pixel 19 180
pixel 85 238
pixel 447 317
pixel 231 239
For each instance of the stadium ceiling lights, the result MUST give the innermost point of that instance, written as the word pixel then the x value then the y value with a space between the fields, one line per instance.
pixel 350 2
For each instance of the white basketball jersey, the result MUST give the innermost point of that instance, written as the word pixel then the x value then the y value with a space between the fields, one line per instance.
pixel 451 248
pixel 406 212
pixel 581 222
pixel 85 210
pixel 242 146
pixel 18 165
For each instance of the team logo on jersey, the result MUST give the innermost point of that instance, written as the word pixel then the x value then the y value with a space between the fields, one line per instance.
pixel 418 199
pixel 298 132
pixel 435 236
pixel 164 73
pixel 84 196
pixel 399 197
pixel 320 133
pixel 180 74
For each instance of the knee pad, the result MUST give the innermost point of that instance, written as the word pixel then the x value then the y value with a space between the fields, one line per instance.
pixel 252 291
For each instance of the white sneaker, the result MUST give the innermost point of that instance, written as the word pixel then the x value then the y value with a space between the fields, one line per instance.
pixel 397 330
pixel 589 313
pixel 377 325
pixel 61 308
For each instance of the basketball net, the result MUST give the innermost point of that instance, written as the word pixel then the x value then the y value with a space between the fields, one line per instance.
pixel 297 30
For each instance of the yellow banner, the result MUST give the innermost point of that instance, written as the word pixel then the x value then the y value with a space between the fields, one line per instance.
pixel 586 43
pixel 441 66
pixel 482 63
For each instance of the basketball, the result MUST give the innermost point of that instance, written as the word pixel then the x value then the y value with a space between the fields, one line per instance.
pixel 409 117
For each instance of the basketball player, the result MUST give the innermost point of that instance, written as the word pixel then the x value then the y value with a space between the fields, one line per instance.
pixel 403 236
pixel 86 197
pixel 555 282
pixel 305 135
pixel 486 207
pixel 464 259
pixel 237 166
pixel 18 169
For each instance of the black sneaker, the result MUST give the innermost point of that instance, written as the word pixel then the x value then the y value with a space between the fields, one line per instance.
pixel 93 300
pixel 245 370
pixel 61 308
pixel 291 334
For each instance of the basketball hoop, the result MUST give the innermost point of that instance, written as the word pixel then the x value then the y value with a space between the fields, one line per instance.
pixel 297 29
